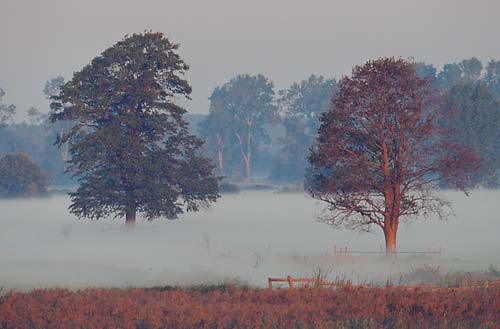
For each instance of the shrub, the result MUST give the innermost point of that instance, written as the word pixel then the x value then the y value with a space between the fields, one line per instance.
pixel 20 177
pixel 228 188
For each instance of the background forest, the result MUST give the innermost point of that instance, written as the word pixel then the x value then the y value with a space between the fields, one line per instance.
pixel 253 131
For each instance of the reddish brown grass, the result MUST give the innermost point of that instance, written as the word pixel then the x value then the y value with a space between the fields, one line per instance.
pixel 231 307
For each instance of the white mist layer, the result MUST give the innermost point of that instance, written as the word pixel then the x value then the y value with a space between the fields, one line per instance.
pixel 246 237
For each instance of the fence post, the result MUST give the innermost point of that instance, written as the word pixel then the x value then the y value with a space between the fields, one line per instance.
pixel 270 283
pixel 290 281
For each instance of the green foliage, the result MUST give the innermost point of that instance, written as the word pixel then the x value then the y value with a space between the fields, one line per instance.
pixel 301 105
pixel 291 161
pixel 35 116
pixel 19 177
pixel 52 86
pixel 450 75
pixel 130 146
pixel 424 70
pixel 37 142
pixel 468 70
pixel 308 99
pixel 219 130
pixel 239 112
pixel 471 69
pixel 473 116
pixel 492 77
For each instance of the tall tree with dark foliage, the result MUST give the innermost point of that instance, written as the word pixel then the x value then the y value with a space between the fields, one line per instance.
pixel 130 146
pixel 379 152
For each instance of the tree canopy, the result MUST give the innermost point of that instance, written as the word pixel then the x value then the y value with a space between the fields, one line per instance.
pixel 379 152
pixel 425 71
pixel 492 77
pixel 300 107
pixel 130 146
pixel 239 113
pixel 473 118
pixel 308 99
pixel 219 132
pixel 468 70
pixel 6 111
pixel 53 86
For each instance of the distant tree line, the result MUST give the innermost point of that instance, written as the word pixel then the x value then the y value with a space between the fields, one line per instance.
pixel 253 130
pixel 248 122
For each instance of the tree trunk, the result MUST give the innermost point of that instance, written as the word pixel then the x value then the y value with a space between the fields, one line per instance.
pixel 221 163
pixel 249 155
pixel 247 167
pixel 390 232
pixel 130 218
pixel 220 148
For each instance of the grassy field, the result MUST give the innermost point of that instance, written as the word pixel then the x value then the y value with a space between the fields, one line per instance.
pixel 242 307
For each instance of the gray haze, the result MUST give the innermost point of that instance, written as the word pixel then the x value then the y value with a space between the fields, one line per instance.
pixel 285 40
pixel 246 237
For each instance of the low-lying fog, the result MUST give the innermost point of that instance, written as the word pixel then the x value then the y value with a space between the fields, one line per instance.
pixel 247 237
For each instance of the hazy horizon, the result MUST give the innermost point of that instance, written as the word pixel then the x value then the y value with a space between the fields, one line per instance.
pixel 284 40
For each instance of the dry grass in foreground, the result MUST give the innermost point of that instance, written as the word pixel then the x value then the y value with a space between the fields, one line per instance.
pixel 236 307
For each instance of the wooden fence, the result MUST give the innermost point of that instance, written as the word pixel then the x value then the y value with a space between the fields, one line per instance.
pixel 315 282
pixel 305 282
pixel 339 251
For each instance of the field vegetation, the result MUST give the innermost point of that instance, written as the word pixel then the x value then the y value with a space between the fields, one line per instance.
pixel 224 306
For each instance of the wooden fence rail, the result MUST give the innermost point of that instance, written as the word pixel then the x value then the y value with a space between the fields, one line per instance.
pixel 306 281
pixel 320 283
pixel 345 251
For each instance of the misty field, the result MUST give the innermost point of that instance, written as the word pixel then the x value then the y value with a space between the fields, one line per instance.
pixel 245 238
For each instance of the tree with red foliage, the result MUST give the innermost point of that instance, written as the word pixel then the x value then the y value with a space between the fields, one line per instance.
pixel 379 154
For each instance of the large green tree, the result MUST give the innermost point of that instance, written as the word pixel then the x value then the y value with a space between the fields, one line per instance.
pixel 130 147
pixel 239 113
pixel 218 129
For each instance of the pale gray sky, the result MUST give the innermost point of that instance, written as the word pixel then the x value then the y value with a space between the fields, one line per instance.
pixel 285 40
